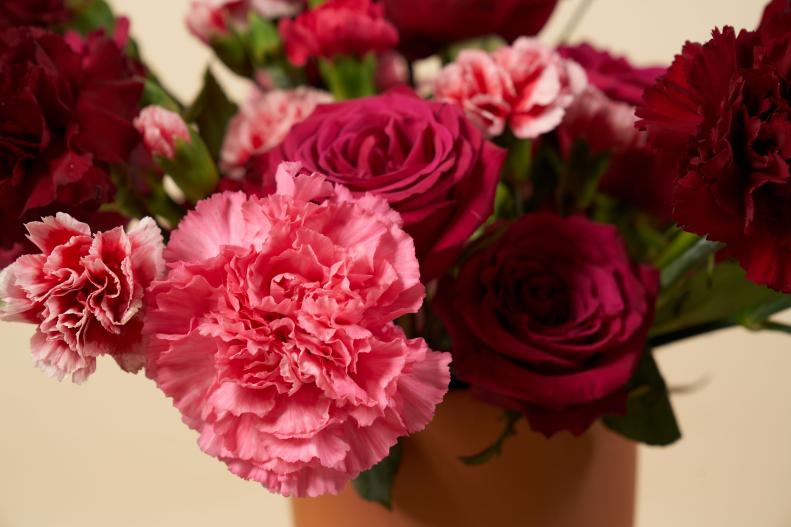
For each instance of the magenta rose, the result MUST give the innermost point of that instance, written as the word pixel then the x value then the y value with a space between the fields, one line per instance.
pixel 66 111
pixel 426 26
pixel 337 27
pixel 425 158
pixel 722 116
pixel 550 319
pixel 40 13
pixel 613 75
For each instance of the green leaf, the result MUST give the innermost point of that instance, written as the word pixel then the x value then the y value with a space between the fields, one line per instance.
pixel 90 15
pixel 720 294
pixel 376 484
pixel 580 177
pixel 262 39
pixel 510 418
pixel 191 168
pixel 649 415
pixel 154 94
pixel 349 77
pixel 693 251
pixel 211 111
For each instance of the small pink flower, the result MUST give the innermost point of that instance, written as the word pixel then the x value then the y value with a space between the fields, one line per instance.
pixel 392 70
pixel 160 129
pixel 338 27
pixel 273 333
pixel 272 9
pixel 545 85
pixel 209 19
pixel 84 292
pixel 262 123
pixel 483 89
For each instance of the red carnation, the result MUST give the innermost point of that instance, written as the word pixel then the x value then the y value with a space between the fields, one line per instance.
pixel 722 113
pixel 426 26
pixel 337 27
pixel 550 319
pixel 66 111
pixel 41 13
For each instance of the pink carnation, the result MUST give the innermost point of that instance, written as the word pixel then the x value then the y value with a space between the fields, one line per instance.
pixel 208 19
pixel 160 129
pixel 84 292
pixel 264 121
pixel 527 85
pixel 483 89
pixel 273 333
pixel 277 8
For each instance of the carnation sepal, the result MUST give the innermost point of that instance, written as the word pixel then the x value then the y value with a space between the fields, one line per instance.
pixel 510 418
pixel 349 77
pixel 90 15
pixel 192 167
pixel 376 483
pixel 211 112
pixel 244 52
pixel 649 414
pixel 579 178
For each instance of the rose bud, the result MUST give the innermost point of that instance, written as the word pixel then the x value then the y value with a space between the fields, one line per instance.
pixel 178 150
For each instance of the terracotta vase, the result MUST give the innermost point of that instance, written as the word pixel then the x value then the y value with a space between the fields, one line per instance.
pixel 560 482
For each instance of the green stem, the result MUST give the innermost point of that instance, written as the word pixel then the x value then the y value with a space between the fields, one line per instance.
pixel 686 260
pixel 686 333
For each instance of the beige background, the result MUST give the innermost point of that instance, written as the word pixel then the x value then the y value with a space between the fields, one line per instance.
pixel 114 452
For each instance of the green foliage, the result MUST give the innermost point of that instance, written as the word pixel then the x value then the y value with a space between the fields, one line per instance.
pixel 211 111
pixel 649 416
pixel 349 77
pixel 192 168
pixel 154 94
pixel 579 177
pixel 255 47
pixel 718 294
pixel 510 419
pixel 90 15
pixel 376 484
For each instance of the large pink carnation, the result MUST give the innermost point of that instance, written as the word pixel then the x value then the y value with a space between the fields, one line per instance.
pixel 526 85
pixel 84 292
pixel 273 333
pixel 263 122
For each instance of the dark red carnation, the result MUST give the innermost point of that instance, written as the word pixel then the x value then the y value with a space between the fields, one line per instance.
pixel 337 27
pixel 722 114
pixel 776 14
pixel 426 26
pixel 550 319
pixel 604 118
pixel 41 13
pixel 65 115
pixel 425 158
pixel 613 75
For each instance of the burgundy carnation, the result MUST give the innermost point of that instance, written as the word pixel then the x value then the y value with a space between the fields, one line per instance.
pixel 722 113
pixel 550 319
pixel 66 111
pixel 337 27
pixel 425 158
pixel 604 117
pixel 426 26
pixel 613 75
pixel 31 12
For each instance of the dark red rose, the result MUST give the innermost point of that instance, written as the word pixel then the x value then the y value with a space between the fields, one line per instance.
pixel 614 76
pixel 337 27
pixel 66 112
pixel 426 26
pixel 604 118
pixel 550 319
pixel 425 158
pixel 31 12
pixel 722 114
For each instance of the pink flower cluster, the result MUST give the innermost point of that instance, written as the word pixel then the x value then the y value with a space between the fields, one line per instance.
pixel 273 333
pixel 526 86
pixel 263 122
pixel 85 293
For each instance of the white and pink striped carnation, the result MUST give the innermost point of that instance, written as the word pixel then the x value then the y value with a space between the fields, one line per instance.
pixel 273 333
pixel 263 122
pixel 526 86
pixel 160 129
pixel 85 292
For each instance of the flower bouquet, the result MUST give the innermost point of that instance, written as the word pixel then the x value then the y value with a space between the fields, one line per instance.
pixel 404 206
